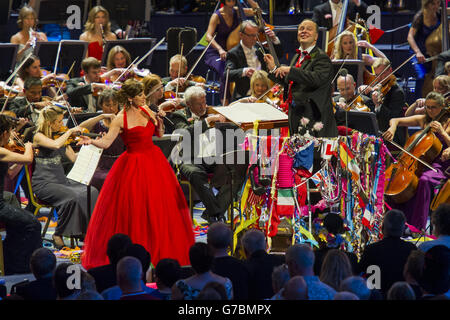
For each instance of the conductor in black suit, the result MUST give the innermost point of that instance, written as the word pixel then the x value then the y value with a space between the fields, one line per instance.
pixel 328 13
pixel 307 83
pixel 247 57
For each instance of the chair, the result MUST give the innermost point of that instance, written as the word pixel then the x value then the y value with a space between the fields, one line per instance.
pixel 2 261
pixel 36 203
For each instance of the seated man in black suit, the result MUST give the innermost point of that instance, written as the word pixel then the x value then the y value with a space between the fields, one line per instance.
pixel 247 57
pixel 389 254
pixel 80 90
pixel 105 276
pixel 178 68
pixel 328 14
pixel 42 264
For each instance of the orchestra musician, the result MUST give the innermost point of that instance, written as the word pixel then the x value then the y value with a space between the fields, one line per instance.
pixel 390 104
pixel 81 90
pixel 23 230
pixel 49 180
pixel 347 94
pixel 328 14
pixel 30 105
pixel 178 68
pixel 109 104
pixel 441 84
pixel 32 69
pixel 259 84
pixel 424 23
pixel 247 57
pixel 307 82
pixel 117 61
pixel 222 23
pixel 417 209
pixel 97 30
pixel 27 36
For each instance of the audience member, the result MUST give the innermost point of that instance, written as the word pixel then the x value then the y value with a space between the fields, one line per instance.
pixel 129 279
pixel 105 276
pixel 212 291
pixel 435 280
pixel 413 271
pixel 280 276
pixel 440 219
pixel 89 295
pixel 401 290
pixel 220 240
pixel 139 252
pixel 357 286
pixel 334 224
pixel 260 264
pixel 389 254
pixel 201 258
pixel 300 261
pixel 295 289
pixel 42 265
pixel 60 281
pixel 335 268
pixel 344 295
pixel 167 272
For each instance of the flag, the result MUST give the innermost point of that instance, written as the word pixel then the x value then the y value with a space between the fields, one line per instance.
pixel 329 148
pixel 375 34
pixel 203 41
pixel 367 219
pixel 305 156
pixel 348 161
pixel 285 202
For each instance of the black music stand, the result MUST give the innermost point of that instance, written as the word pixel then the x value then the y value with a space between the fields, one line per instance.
pixel 122 11
pixel 80 117
pixel 365 122
pixel 136 47
pixel 55 11
pixel 71 51
pixel 354 67
pixel 8 54
pixel 5 11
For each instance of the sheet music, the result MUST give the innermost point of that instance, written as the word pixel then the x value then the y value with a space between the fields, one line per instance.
pixel 250 112
pixel 85 165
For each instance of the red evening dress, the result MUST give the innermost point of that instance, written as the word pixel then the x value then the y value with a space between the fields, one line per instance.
pixel 141 197
pixel 95 50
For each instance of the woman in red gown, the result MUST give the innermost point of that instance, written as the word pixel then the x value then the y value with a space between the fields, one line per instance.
pixel 141 196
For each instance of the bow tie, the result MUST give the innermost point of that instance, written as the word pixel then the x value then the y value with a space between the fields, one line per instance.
pixel 300 52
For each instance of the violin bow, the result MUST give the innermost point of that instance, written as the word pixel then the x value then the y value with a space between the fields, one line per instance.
pixel 226 86
pixel 57 57
pixel 150 51
pixel 179 70
pixel 200 57
pixel 126 70
pixel 59 91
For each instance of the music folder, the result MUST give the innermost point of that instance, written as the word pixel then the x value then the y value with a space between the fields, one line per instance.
pixel 86 164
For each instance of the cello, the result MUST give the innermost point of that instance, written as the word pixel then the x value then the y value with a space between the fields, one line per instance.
pixel 403 176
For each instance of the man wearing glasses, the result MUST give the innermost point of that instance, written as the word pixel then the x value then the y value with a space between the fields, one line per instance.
pixel 247 57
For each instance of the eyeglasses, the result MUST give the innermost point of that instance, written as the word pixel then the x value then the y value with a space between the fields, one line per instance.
pixel 251 35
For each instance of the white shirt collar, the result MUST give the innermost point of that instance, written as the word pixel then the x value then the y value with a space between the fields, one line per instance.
pixel 252 49
pixel 309 49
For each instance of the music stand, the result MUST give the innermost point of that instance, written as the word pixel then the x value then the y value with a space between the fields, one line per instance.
pixel 365 122
pixel 5 11
pixel 322 38
pixel 122 11
pixel 55 11
pixel 79 118
pixel 136 47
pixel 71 51
pixel 8 52
pixel 354 67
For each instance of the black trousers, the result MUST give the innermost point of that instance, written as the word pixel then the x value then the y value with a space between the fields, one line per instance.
pixel 23 236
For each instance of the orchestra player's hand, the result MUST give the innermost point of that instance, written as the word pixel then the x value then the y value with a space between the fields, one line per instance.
pixel 270 34
pixel 98 86
pixel 83 141
pixel 120 34
pixel 420 57
pixel 48 77
pixel 376 97
pixel 437 127
pixel 41 104
pixel 76 110
pixel 268 59
pixel 248 72
pixel 445 154
pixel 389 133
pixel 180 81
pixel 215 118
pixel 223 55
pixel 169 105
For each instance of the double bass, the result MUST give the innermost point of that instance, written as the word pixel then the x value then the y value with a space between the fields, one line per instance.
pixel 403 176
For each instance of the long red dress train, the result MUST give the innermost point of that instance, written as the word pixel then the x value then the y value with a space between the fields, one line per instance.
pixel 142 198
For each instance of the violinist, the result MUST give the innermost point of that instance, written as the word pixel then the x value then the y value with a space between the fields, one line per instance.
pixel 32 69
pixel 97 30
pixel 328 14
pixel 49 180
pixel 416 210
pixel 30 105
pixel 223 22
pixel 388 98
pixel 27 36
pixel 259 84
pixel 247 57
pixel 346 86
pixel 81 90
pixel 178 69
pixel 108 102
pixel 23 230
pixel 441 84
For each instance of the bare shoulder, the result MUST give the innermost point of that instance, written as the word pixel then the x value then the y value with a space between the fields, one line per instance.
pixel 111 36
pixel 16 38
pixel 85 36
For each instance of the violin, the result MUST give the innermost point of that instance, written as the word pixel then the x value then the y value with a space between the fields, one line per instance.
pixel 75 137
pixel 59 81
pixel 8 91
